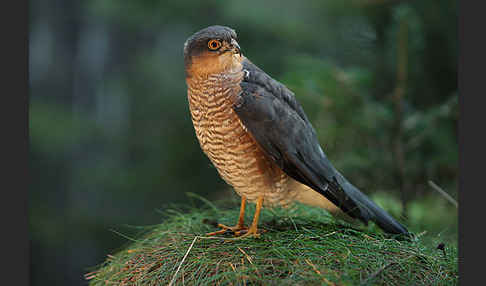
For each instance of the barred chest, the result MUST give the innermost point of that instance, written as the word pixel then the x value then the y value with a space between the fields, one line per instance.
pixel 224 139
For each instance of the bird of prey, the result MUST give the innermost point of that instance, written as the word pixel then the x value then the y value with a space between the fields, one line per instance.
pixel 259 139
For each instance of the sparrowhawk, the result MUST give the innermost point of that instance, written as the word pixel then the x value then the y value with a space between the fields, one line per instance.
pixel 258 137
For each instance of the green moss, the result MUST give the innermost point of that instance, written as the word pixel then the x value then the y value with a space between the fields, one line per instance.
pixel 301 246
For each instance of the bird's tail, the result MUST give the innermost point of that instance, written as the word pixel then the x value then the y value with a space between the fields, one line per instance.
pixel 368 209
pixel 371 211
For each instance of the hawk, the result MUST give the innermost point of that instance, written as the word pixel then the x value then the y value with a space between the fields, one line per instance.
pixel 260 140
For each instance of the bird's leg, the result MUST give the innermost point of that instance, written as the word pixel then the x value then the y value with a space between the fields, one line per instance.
pixel 253 230
pixel 238 227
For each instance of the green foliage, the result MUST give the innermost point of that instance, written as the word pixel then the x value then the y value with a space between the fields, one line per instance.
pixel 110 133
pixel 301 245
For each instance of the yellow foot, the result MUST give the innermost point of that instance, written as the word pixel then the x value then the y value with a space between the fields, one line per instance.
pixel 251 232
pixel 237 229
pixel 241 231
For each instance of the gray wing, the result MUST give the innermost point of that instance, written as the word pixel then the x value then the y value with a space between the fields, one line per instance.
pixel 278 123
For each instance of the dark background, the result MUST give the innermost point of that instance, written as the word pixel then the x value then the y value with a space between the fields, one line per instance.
pixel 111 139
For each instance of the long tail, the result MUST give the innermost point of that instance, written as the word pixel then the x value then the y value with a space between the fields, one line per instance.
pixel 368 209
pixel 371 211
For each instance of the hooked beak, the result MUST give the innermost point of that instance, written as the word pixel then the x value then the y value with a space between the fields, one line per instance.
pixel 236 47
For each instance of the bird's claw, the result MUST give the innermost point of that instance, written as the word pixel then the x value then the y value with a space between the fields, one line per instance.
pixel 236 230
pixel 250 233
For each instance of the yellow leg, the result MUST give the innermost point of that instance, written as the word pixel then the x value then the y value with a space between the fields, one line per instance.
pixel 238 227
pixel 253 230
pixel 241 219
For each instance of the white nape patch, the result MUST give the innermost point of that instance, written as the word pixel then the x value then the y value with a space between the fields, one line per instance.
pixel 247 73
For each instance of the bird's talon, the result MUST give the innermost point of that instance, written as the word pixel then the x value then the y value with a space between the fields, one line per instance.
pixel 224 229
pixel 239 233
pixel 254 234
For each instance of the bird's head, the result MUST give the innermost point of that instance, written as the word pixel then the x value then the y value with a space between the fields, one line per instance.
pixel 211 50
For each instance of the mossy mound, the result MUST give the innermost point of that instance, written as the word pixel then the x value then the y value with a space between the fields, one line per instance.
pixel 301 246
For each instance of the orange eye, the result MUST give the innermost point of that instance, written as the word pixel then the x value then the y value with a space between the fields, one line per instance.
pixel 214 44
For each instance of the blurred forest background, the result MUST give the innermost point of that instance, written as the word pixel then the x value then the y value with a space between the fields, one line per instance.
pixel 111 139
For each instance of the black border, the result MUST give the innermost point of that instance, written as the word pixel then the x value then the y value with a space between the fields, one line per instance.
pixel 471 76
pixel 15 142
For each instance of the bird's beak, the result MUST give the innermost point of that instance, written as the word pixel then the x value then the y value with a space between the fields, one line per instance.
pixel 235 46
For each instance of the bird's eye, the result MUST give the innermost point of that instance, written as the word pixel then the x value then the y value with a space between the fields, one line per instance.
pixel 214 45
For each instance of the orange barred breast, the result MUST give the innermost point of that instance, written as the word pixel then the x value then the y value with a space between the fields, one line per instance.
pixel 232 150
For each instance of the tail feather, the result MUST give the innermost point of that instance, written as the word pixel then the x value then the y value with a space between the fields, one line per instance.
pixel 371 211
pixel 368 209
